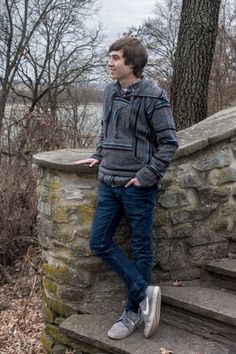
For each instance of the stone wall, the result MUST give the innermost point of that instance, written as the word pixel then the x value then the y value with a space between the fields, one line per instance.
pixel 195 221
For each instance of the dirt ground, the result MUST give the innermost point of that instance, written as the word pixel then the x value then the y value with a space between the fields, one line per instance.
pixel 20 306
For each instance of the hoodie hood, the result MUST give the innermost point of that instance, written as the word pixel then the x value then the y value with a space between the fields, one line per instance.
pixel 142 88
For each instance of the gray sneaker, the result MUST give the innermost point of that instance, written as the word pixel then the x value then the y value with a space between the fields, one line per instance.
pixel 126 324
pixel 150 309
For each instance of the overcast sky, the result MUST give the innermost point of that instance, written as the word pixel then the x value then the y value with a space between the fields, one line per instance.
pixel 118 15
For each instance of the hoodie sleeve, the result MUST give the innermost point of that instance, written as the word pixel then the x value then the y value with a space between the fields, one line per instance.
pixel 107 97
pixel 163 132
pixel 98 153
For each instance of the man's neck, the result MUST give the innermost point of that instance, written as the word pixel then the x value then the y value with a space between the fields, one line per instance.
pixel 128 82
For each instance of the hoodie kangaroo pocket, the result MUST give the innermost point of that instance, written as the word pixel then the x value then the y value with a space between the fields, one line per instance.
pixel 119 155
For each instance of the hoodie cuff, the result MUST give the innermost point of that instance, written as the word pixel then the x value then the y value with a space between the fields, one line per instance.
pixel 97 157
pixel 147 177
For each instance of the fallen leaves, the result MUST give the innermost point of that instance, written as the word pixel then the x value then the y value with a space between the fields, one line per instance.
pixel 21 313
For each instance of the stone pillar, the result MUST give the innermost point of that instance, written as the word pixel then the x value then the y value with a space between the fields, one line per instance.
pixel 71 274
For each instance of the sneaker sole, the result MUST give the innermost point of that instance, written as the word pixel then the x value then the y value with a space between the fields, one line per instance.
pixel 155 313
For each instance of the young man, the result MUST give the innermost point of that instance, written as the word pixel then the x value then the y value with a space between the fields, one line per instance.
pixel 137 143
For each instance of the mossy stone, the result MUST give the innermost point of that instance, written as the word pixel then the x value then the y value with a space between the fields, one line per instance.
pixel 50 285
pixel 61 214
pixel 48 314
pixel 59 349
pixel 86 212
pixel 58 272
pixel 55 333
pixel 62 274
pixel 59 320
pixel 59 307
pixel 47 341
pixel 54 183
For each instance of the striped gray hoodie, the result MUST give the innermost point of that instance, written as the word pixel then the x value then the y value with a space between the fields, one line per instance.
pixel 138 136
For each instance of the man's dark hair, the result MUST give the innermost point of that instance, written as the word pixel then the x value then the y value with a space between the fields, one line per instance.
pixel 134 52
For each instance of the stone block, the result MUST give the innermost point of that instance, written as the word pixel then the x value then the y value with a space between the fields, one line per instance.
pixel 45 242
pixel 233 191
pixel 182 231
pixel 83 231
pixel 74 214
pixel 194 214
pixel 107 283
pixel 174 198
pixel 86 213
pixel 161 216
pixel 85 348
pixel 166 181
pixel 200 255
pixel 47 341
pixel 65 214
pixel 159 275
pixel 59 349
pixel 48 314
pixel 228 209
pixel 211 160
pixel 80 247
pixel 92 263
pixel 62 254
pixel 68 293
pixel 46 227
pixel 49 285
pixel 66 233
pixel 44 208
pixel 72 194
pixel 59 320
pixel 209 194
pixel 162 232
pixel 204 233
pixel 59 307
pixel 55 333
pixel 43 193
pixel 190 180
pixel 186 274
pixel 63 274
pixel 171 255
pixel 223 225
pixel 226 175
pixel 48 179
pixel 234 149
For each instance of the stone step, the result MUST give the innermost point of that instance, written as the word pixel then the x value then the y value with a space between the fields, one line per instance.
pixel 232 248
pixel 223 273
pixel 206 311
pixel 89 332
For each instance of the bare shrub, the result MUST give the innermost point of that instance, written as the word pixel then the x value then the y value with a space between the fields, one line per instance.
pixel 33 133
pixel 18 209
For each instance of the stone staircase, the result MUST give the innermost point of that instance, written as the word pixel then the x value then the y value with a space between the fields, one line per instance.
pixel 197 317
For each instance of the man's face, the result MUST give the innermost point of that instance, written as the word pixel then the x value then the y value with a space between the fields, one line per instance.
pixel 117 67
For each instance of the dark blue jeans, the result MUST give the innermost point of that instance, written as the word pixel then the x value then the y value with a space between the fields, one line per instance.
pixel 137 204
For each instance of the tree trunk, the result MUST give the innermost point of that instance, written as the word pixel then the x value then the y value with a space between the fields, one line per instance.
pixel 193 60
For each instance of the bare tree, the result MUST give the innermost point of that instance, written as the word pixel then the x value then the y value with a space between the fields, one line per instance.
pixel 82 118
pixel 62 51
pixel 193 60
pixel 160 34
pixel 18 22
pixel 222 86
